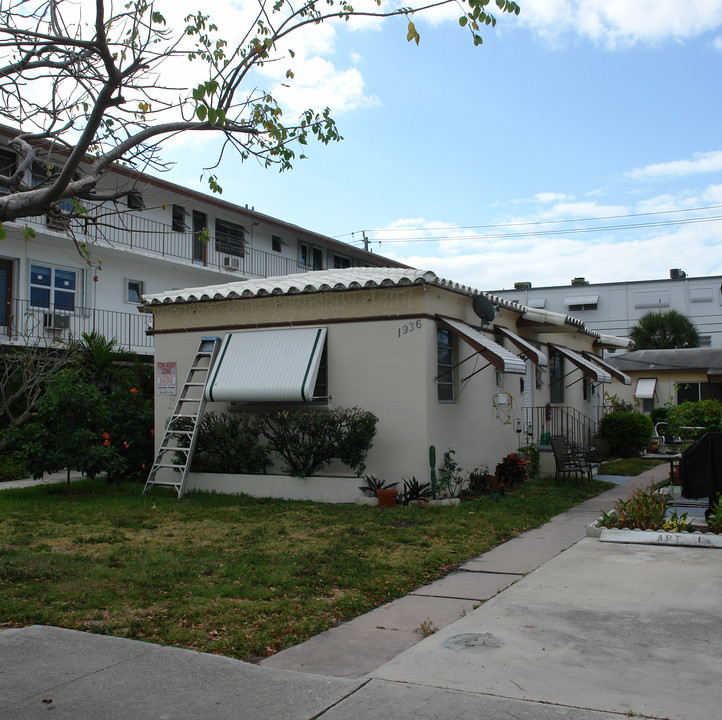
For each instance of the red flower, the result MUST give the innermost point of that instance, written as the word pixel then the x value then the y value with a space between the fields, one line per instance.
pixel 133 390
pixel 152 432
pixel 106 435
pixel 106 443
pixel 125 444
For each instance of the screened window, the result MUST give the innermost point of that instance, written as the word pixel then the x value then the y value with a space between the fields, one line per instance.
pixel 230 238
pixel 134 292
pixel 556 376
pixel 135 201
pixel 179 219
pixel 276 243
pixel 53 287
pixel 692 392
pixel 311 257
pixel 446 380
pixel 7 166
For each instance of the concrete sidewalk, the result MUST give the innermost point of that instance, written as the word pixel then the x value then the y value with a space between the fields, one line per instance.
pixel 593 633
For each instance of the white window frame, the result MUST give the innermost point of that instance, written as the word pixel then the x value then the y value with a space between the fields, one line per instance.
pixel 141 291
pixel 52 288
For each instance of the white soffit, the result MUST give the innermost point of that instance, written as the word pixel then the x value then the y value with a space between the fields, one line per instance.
pixel 534 354
pixel 276 365
pixel 645 388
pixel 500 358
pixel 616 374
pixel 586 366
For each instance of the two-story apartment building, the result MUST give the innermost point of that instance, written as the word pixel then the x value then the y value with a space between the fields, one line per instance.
pixel 59 279
pixel 614 308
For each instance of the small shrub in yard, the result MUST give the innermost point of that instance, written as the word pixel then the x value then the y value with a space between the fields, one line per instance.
pixel 714 518
pixel 451 478
pixel 479 481
pixel 628 433
pixel 704 413
pixel 68 431
pixel 512 470
pixel 309 440
pixel 645 510
pixel 373 484
pixel 230 444
pixel 414 491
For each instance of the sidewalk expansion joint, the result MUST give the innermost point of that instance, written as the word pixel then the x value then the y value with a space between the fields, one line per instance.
pixel 340 700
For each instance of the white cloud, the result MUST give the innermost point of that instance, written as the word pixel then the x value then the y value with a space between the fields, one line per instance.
pixel 615 23
pixel 547 197
pixel 700 163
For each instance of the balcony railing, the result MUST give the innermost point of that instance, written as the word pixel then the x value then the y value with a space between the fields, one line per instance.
pixel 540 423
pixel 135 232
pixel 33 325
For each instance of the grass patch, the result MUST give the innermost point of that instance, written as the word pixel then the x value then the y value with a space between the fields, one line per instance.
pixel 629 466
pixel 234 575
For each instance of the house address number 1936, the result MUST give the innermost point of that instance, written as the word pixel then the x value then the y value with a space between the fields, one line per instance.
pixel 409 327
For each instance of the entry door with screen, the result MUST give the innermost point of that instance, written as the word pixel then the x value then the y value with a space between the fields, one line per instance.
pixel 200 222
pixel 6 292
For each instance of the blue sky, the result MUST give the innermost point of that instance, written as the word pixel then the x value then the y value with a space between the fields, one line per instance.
pixel 511 161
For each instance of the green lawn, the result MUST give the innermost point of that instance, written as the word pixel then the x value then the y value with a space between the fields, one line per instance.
pixel 230 574
pixel 629 466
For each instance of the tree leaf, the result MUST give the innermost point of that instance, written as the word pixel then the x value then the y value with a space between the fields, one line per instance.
pixel 201 112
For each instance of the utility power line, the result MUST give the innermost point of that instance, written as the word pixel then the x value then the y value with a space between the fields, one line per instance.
pixel 537 227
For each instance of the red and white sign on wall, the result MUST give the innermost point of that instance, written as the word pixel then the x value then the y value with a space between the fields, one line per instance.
pixel 166 378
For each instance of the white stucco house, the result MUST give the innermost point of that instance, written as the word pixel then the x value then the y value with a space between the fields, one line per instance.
pixel 670 377
pixel 59 279
pixel 404 344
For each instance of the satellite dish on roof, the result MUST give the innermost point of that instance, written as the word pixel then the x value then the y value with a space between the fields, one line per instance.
pixel 483 308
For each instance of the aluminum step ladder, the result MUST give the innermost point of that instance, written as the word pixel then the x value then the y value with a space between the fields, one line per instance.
pixel 173 461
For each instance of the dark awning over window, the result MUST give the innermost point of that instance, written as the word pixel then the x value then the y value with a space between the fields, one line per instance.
pixel 500 358
pixel 591 370
pixel 278 365
pixel 534 354
pixel 616 374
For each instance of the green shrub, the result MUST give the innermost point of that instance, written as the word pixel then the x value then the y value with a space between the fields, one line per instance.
pixel 130 432
pixel 704 413
pixel 659 415
pixel 230 444
pixel 12 468
pixel 628 433
pixel 512 470
pixel 309 440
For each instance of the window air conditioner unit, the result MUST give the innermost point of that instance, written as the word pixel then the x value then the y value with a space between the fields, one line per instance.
pixel 57 222
pixel 51 321
pixel 231 263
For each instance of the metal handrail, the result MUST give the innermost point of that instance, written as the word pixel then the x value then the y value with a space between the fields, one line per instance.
pixel 129 230
pixel 541 423
pixel 55 326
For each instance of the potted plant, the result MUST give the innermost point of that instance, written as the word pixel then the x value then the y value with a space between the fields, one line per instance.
pixel 495 486
pixel 377 487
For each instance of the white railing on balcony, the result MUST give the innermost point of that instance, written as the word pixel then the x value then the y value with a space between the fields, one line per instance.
pixel 34 325
pixel 128 230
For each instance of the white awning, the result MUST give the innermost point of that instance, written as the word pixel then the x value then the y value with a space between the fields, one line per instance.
pixel 645 388
pixel 586 366
pixel 534 354
pixel 581 300
pixel 500 358
pixel 278 365
pixel 616 374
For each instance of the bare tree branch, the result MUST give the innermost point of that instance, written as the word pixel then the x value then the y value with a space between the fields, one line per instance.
pixel 84 96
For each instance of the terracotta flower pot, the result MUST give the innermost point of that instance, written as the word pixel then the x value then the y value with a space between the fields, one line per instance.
pixel 387 498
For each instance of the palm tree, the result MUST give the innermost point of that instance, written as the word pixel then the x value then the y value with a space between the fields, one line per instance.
pixel 664 330
pixel 104 363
